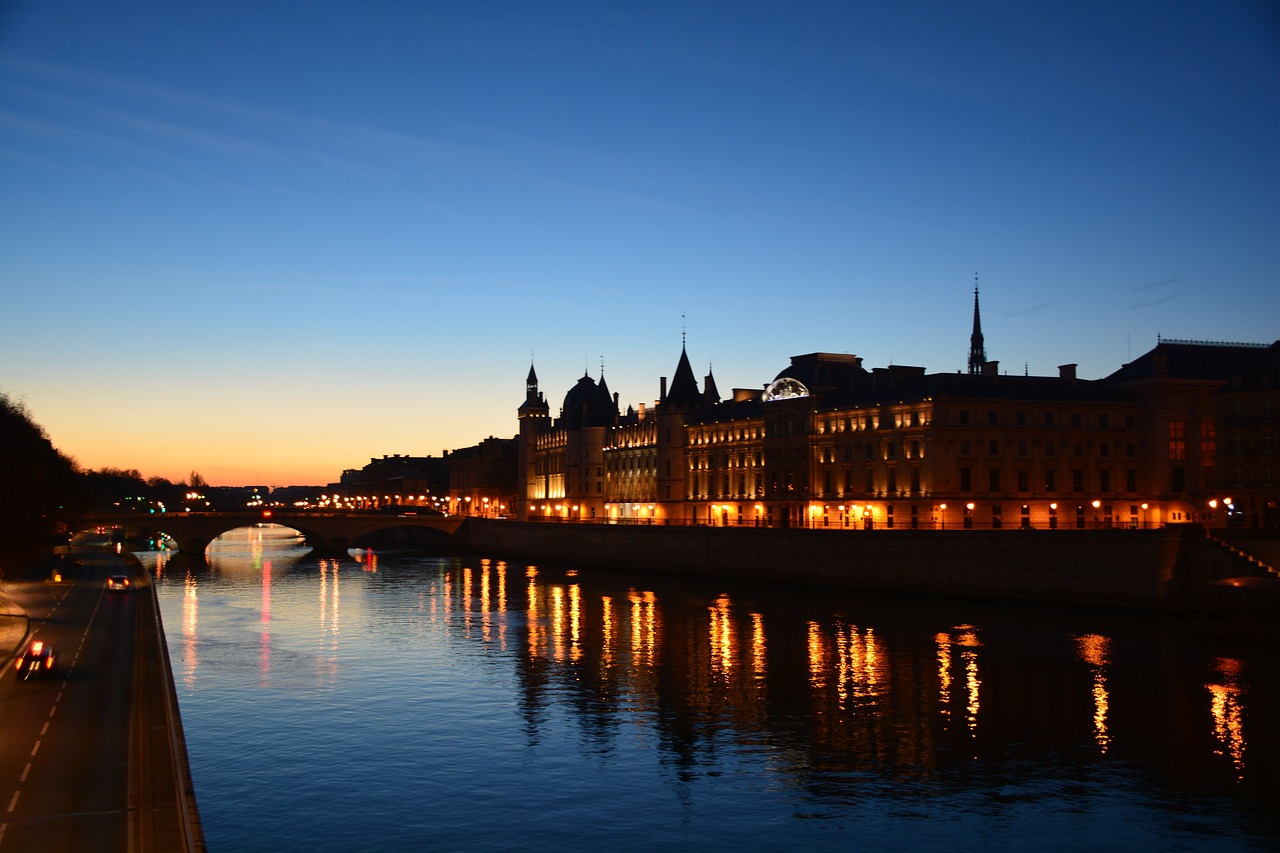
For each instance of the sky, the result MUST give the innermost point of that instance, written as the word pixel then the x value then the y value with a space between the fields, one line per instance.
pixel 267 241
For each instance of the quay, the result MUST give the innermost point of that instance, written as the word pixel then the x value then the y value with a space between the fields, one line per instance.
pixel 1174 568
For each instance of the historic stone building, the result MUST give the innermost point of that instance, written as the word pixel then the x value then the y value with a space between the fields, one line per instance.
pixel 830 444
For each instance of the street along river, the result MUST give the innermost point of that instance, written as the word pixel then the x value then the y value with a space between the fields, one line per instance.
pixel 392 701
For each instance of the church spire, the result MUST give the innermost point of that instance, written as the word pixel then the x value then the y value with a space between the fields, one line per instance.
pixel 977 352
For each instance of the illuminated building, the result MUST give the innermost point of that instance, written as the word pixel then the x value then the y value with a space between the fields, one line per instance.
pixel 831 444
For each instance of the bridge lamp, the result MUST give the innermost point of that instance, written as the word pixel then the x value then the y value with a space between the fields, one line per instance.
pixel 1097 503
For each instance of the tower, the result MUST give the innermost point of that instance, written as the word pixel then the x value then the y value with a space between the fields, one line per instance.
pixel 977 352
pixel 534 419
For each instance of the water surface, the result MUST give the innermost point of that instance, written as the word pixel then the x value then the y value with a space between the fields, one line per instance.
pixel 389 702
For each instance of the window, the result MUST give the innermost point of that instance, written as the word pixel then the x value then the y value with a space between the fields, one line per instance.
pixel 964 447
pixel 1022 418
pixel 915 481
pixel 1075 419
pixel 1048 419
pixel 1104 449
pixel 1077 479
pixel 1105 481
pixel 1177 440
pixel 1050 480
pixel 1023 481
pixel 993 417
pixel 1077 449
pixel 965 480
pixel 1131 480
pixel 993 480
pixel 1209 444
pixel 964 416
pixel 1022 448
pixel 1104 421
pixel 893 480
pixel 1128 421
pixel 993 448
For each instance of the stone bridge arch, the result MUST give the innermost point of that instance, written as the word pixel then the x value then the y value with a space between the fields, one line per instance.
pixel 326 533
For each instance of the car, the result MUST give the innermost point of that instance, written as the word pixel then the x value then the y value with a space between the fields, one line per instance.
pixel 36 660
pixel 118 583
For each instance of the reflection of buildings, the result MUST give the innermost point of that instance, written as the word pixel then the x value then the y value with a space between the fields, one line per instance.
pixel 1165 439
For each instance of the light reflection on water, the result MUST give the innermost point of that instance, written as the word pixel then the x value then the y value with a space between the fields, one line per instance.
pixel 393 702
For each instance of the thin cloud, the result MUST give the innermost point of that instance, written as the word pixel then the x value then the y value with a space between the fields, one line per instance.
pixel 1162 299
pixel 1162 283
pixel 1033 309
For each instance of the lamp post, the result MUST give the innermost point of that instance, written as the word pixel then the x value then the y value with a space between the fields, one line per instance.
pixel 942 516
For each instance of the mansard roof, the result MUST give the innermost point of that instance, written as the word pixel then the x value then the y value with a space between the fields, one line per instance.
pixel 1195 360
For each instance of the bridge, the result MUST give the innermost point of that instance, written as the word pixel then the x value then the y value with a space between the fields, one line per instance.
pixel 325 532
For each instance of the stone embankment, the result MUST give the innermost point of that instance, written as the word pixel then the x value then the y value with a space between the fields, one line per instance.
pixel 1162 569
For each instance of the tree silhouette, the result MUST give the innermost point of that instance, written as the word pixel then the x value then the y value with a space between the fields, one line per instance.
pixel 36 485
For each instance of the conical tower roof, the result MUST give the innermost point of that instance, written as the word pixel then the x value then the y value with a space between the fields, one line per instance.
pixel 684 388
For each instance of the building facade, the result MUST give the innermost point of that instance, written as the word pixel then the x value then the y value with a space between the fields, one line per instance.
pixel 1184 434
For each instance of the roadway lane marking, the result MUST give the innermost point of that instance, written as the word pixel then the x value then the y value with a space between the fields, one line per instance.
pixel 44 731
pixel 25 771
pixel 35 749
pixel 13 804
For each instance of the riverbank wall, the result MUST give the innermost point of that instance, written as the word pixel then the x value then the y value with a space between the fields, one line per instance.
pixel 1163 569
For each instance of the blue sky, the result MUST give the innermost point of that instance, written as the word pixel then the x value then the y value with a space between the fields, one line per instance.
pixel 267 241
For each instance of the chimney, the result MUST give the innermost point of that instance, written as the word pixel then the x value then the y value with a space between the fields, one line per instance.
pixel 990 368
pixel 1067 371
pixel 662 389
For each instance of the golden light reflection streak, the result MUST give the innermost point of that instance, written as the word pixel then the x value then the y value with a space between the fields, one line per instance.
pixel 644 627
pixel 190 636
pixel 651 627
pixel 531 615
pixel 757 646
pixel 968 641
pixel 575 622
pixel 1228 712
pixel 943 641
pixel 466 600
pixel 721 631
pixel 607 632
pixel 1095 650
pixel 557 621
pixel 817 656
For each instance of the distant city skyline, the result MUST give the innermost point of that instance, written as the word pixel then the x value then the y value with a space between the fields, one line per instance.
pixel 267 242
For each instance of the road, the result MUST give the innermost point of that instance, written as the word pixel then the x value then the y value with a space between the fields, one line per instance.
pixel 91 758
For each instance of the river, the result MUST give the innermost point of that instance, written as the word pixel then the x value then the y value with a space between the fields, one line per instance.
pixel 396 701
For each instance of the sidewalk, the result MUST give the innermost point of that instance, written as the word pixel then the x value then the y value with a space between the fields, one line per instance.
pixel 13 628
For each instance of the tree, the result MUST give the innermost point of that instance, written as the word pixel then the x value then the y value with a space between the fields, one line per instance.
pixel 195 481
pixel 37 485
